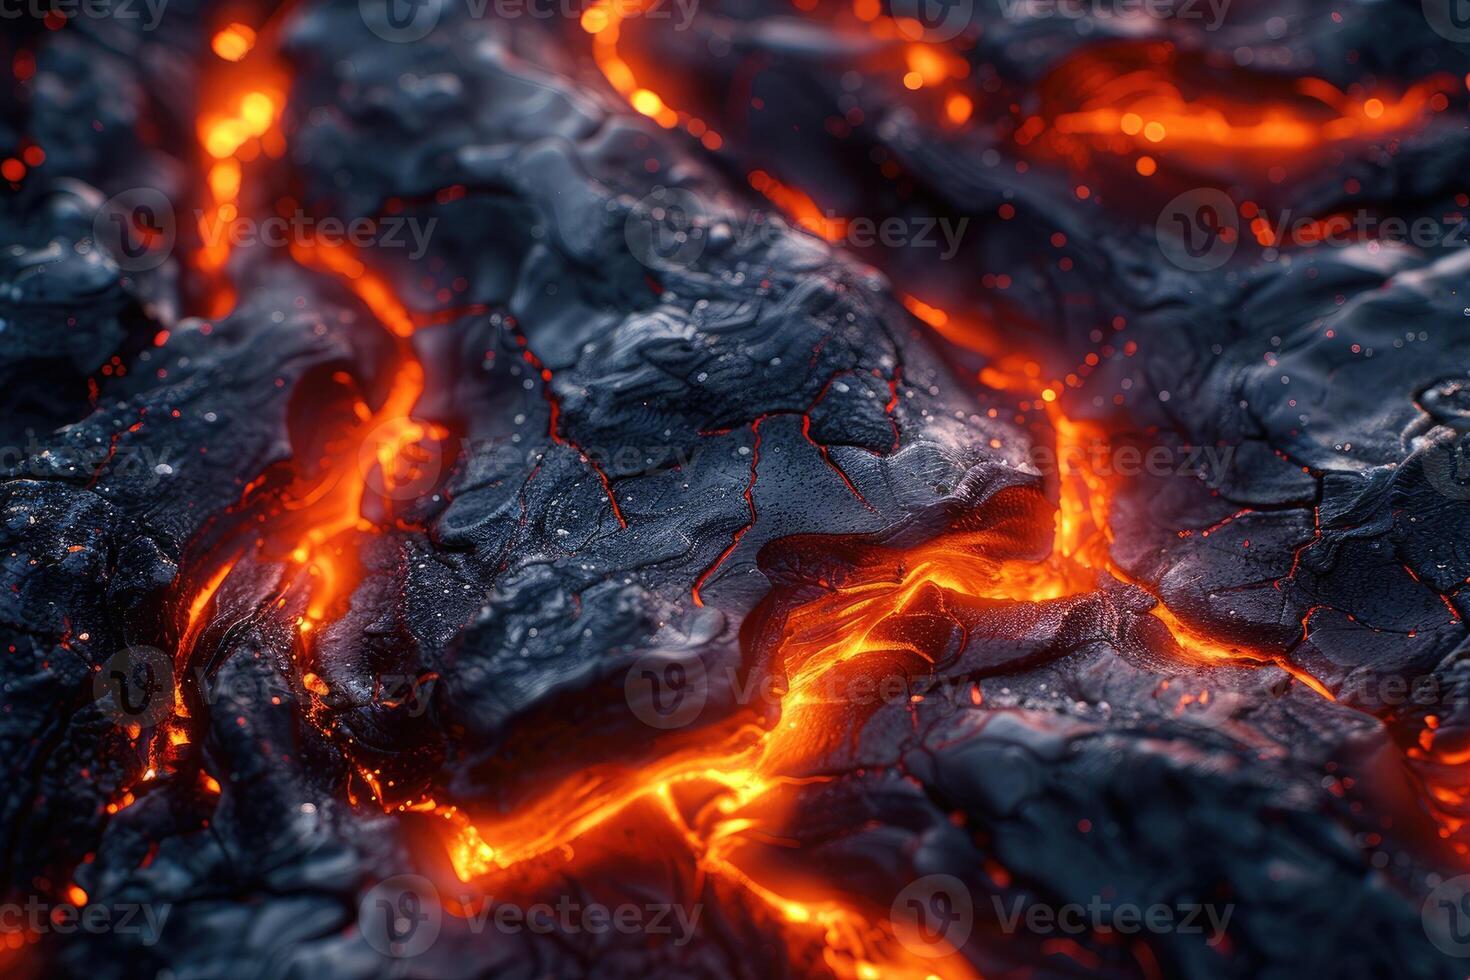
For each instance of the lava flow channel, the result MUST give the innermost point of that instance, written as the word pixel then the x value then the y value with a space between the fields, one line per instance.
pixel 878 612
pixel 313 527
pixel 309 527
pixel 749 763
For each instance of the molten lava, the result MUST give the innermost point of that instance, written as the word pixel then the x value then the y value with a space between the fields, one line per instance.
pixel 312 524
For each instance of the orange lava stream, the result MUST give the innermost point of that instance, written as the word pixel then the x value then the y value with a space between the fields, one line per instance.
pixel 244 104
pixel 1148 107
pixel 863 624
pixel 802 209
pixel 866 621
pixel 924 65
pixel 243 98
pixel 339 259
pixel 845 630
pixel 604 20
pixel 849 628
pixel 1138 99
pixel 972 335
pixel 1440 764
pixel 312 523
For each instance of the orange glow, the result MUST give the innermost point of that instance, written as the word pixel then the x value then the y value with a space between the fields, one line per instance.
pixel 650 105
pixel 234 42
pixel 314 519
pixel 1133 94
pixel 225 133
pixel 76 896
pixel 595 20
pixel 197 605
pixel 603 20
pixel 224 181
pixel 957 108
pixel 741 769
pixel 971 334
pixel 867 621
pixel 242 103
pixel 799 207
pixel 338 258
pixel 932 64
pixel 1438 762
pixel 331 507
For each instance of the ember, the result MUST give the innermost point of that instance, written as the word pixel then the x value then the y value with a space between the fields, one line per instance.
pixel 829 489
